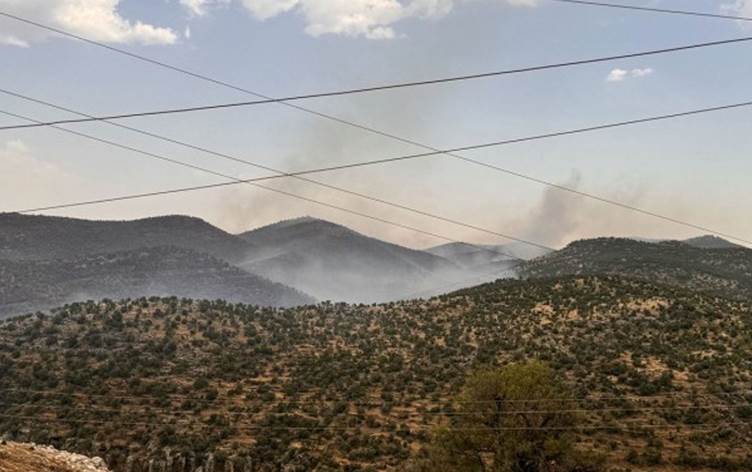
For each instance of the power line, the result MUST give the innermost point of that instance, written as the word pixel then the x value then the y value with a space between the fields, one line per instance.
pixel 296 175
pixel 380 87
pixel 362 127
pixel 253 182
pixel 453 152
pixel 656 10
pixel 234 180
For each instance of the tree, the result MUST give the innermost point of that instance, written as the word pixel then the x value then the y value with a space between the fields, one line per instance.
pixel 514 419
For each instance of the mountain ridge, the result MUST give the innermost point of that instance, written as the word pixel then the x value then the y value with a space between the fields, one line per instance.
pixel 709 241
pixel 333 262
pixel 27 286
pixel 34 237
pixel 725 271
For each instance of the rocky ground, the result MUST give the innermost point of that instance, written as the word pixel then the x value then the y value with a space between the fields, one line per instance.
pixel 26 457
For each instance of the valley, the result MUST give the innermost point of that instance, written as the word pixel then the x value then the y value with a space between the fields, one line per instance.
pixel 277 265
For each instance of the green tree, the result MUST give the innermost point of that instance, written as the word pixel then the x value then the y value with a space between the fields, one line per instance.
pixel 514 419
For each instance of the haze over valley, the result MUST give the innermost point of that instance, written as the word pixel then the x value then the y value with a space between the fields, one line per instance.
pixel 46 262
pixel 290 263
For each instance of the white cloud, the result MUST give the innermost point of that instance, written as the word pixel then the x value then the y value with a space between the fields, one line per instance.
pixel 368 18
pixel 10 40
pixel 642 72
pixel 264 9
pixel 431 8
pixel 95 19
pixel 737 8
pixel 200 7
pixel 381 32
pixel 618 75
pixel 197 7
pixel 373 19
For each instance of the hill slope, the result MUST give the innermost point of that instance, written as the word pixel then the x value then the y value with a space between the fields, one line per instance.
pixel 662 376
pixel 328 261
pixel 711 242
pixel 724 271
pixel 332 262
pixel 27 286
pixel 27 237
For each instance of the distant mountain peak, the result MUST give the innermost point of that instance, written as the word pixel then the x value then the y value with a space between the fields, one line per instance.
pixel 35 237
pixel 604 240
pixel 709 241
pixel 311 222
pixel 52 218
pixel 671 262
pixel 305 228
pixel 333 262
pixel 176 218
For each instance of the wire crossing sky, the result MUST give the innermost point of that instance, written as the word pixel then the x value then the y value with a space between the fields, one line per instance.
pixel 443 80
pixel 673 11
pixel 681 169
pixel 254 182
pixel 298 174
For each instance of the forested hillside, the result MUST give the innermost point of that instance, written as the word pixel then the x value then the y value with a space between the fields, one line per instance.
pixel 28 286
pixel 726 271
pixel 661 377
pixel 33 237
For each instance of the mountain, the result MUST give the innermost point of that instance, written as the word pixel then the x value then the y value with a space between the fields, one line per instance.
pixel 725 271
pixel 328 261
pixel 711 242
pixel 27 286
pixel 707 241
pixel 332 262
pixel 30 237
pixel 659 376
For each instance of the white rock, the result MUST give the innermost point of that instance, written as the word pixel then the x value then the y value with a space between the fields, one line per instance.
pixel 76 462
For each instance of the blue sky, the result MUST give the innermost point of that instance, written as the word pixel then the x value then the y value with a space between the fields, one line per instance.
pixel 694 169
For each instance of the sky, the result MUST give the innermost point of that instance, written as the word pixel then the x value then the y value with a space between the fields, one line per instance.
pixel 693 169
